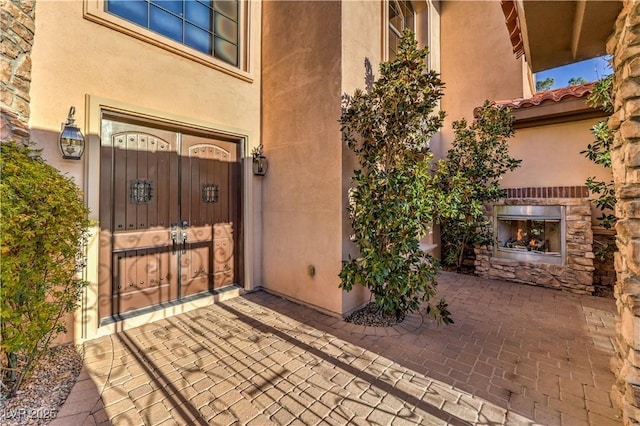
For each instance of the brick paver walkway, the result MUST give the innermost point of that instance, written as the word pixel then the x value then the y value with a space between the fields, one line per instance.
pixel 516 355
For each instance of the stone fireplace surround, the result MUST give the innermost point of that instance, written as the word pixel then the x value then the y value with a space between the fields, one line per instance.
pixel 575 274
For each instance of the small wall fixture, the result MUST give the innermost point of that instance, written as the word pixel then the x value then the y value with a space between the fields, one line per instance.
pixel 260 162
pixel 71 139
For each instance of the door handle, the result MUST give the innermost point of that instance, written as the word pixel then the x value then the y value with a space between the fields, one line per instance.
pixel 174 238
pixel 184 242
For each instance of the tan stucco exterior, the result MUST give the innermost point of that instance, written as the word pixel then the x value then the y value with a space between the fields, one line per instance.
pixel 79 62
pixel 362 52
pixel 301 195
pixel 551 156
pixel 476 61
pixel 305 216
pixel 299 59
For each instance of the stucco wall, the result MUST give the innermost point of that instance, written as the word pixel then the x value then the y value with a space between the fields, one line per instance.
pixel 302 205
pixel 74 57
pixel 362 50
pixel 551 156
pixel 85 64
pixel 477 61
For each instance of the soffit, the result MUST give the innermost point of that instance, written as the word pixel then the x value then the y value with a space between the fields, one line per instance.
pixel 555 33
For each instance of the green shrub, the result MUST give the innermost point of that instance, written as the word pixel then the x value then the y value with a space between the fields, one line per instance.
pixel 389 128
pixel 470 177
pixel 43 223
pixel 599 151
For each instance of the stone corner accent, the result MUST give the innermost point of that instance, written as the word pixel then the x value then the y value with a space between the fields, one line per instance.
pixel 17 33
pixel 624 45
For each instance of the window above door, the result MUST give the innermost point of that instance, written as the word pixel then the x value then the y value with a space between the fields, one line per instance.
pixel 212 32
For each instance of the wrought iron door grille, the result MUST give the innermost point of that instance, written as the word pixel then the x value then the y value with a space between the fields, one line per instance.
pixel 210 193
pixel 141 191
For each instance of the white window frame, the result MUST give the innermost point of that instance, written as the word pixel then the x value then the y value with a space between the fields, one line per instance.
pixel 389 27
pixel 426 13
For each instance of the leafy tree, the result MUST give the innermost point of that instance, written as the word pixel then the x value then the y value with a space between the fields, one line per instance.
pixel 576 81
pixel 545 84
pixel 470 177
pixel 599 152
pixel 388 128
pixel 43 223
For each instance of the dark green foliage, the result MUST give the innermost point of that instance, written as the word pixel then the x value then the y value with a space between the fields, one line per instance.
pixel 602 94
pixel 599 151
pixel 42 225
pixel 545 84
pixel 391 204
pixel 576 81
pixel 470 177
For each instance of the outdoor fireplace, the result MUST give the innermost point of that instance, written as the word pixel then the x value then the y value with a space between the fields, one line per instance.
pixel 543 237
pixel 530 233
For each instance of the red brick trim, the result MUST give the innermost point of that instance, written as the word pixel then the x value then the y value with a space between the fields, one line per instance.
pixel 548 192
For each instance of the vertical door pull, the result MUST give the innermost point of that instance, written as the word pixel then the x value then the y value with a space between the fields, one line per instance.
pixel 174 237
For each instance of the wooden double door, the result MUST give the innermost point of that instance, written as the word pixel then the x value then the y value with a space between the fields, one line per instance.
pixel 170 209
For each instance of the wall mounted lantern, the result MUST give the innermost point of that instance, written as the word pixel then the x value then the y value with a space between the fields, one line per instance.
pixel 260 162
pixel 71 139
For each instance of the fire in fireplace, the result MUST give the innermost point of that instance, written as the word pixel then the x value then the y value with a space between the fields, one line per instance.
pixel 530 233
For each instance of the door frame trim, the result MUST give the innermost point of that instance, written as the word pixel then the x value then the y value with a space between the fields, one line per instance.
pixel 86 321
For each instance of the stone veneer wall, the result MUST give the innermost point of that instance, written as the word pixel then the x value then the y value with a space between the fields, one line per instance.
pixel 604 276
pixel 575 276
pixel 17 28
pixel 625 154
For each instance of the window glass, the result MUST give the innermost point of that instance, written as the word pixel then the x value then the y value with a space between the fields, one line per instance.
pixel 226 28
pixel 198 14
pixel 170 5
pixel 227 7
pixel 198 39
pixel 401 17
pixel 210 27
pixel 165 23
pixel 135 11
pixel 226 51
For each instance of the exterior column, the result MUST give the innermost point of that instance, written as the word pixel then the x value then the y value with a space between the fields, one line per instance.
pixel 625 122
pixel 17 30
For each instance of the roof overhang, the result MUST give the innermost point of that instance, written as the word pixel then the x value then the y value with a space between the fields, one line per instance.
pixel 569 110
pixel 555 33
pixel 568 104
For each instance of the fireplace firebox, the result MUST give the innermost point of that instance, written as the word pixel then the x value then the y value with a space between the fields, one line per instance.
pixel 530 233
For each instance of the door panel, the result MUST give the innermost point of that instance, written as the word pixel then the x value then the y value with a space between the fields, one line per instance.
pixel 223 267
pixel 142 280
pixel 143 169
pixel 205 206
pixel 195 263
pixel 170 226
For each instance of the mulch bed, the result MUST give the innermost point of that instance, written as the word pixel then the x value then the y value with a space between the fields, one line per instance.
pixel 372 317
pixel 44 392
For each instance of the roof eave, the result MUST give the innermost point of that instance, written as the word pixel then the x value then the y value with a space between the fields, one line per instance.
pixel 555 33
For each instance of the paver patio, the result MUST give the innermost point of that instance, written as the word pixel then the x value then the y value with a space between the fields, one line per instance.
pixel 516 355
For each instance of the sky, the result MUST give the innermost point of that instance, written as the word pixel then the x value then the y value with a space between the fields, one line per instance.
pixel 591 70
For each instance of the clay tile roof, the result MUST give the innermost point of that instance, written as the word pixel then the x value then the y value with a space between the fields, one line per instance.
pixel 549 96
pixel 513 26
